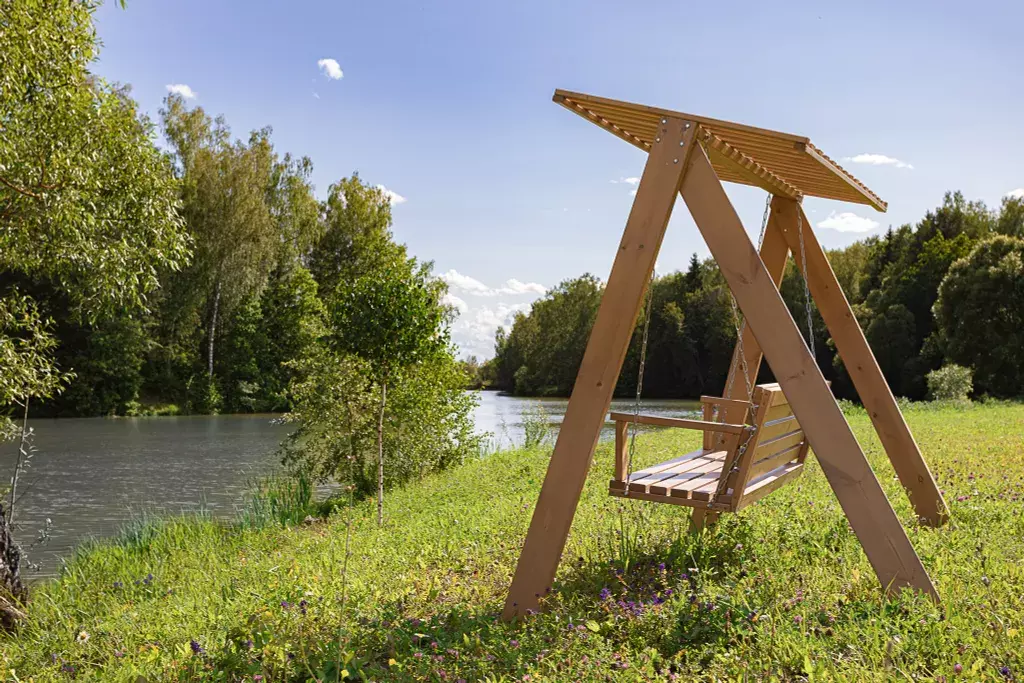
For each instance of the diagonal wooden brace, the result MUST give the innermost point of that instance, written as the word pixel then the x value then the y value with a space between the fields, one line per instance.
pixel 873 520
pixel 874 391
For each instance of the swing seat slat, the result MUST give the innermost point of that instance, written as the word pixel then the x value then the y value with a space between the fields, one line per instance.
pixel 774 454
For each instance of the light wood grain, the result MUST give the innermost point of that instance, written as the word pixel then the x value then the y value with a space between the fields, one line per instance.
pixel 599 370
pixel 847 470
pixel 853 348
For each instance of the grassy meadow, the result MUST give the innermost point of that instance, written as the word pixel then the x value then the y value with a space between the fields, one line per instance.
pixel 781 591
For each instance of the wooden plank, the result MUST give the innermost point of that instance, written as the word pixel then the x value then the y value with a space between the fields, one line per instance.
pixel 621 450
pixel 778 413
pixel 622 105
pixel 773 253
pixel 662 466
pixel 685 502
pixel 599 370
pixel 772 482
pixel 767 448
pixel 873 520
pixel 681 471
pixel 853 348
pixel 772 462
pixel 774 428
pixel 681 423
pixel 840 172
pixel 746 166
pixel 738 478
pixel 680 478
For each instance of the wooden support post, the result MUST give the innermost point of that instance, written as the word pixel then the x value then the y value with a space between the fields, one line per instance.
pixel 602 361
pixel 873 520
pixel 860 362
pixel 621 450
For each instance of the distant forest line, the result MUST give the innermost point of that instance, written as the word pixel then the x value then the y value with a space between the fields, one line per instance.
pixel 948 290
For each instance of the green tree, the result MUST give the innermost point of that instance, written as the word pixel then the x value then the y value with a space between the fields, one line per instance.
pixel 87 203
pixel 227 192
pixel 392 320
pixel 356 235
pixel 980 315
pixel 86 200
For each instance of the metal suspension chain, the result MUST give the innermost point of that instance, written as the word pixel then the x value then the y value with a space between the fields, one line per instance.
pixel 640 379
pixel 741 326
pixel 807 289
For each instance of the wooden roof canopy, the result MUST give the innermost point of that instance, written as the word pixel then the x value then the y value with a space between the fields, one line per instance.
pixel 780 163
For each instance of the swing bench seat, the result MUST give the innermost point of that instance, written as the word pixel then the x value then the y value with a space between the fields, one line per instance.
pixel 721 476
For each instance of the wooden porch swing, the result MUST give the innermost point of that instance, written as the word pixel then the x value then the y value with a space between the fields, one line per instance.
pixel 755 438
pixel 738 464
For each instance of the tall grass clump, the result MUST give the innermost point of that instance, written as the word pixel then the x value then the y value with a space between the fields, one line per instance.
pixel 281 499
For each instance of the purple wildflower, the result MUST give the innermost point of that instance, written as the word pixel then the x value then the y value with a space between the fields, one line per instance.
pixel 605 594
pixel 514 643
pixel 285 604
pixel 249 644
pixel 197 649
pixel 1005 671
pixel 302 606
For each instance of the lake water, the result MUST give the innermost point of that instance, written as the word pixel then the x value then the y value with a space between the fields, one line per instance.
pixel 91 476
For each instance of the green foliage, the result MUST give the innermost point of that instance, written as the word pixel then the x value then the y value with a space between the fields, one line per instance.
pixel 537 429
pixel 542 352
pixel 86 200
pixel 264 336
pixel 388 327
pixel 390 318
pixel 356 235
pixel 780 591
pixel 950 383
pixel 892 282
pixel 980 315
pixel 26 357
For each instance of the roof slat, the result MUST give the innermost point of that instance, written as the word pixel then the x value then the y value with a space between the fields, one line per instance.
pixel 778 162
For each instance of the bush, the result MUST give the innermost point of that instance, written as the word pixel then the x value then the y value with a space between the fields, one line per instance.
pixel 950 383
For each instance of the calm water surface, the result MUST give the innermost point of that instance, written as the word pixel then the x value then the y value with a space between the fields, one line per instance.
pixel 91 476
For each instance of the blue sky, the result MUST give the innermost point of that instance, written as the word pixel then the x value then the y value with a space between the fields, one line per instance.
pixel 448 104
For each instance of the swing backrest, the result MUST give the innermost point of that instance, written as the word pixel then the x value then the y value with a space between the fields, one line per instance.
pixel 778 442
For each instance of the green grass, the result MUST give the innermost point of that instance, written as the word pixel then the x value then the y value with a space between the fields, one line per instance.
pixel 781 591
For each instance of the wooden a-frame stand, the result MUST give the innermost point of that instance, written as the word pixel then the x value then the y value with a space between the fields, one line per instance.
pixel 691 155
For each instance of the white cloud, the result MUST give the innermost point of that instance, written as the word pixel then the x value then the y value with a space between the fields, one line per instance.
pixel 847 222
pixel 878 160
pixel 316 94
pixel 181 89
pixel 455 302
pixel 464 282
pixel 470 285
pixel 331 68
pixel 391 195
pixel 632 193
pixel 1016 194
pixel 516 287
pixel 632 180
pixel 475 327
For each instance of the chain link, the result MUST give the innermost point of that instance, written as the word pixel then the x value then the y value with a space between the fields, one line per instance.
pixel 640 379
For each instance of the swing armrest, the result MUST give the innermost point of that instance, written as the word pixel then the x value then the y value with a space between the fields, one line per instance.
pixel 678 422
pixel 724 402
